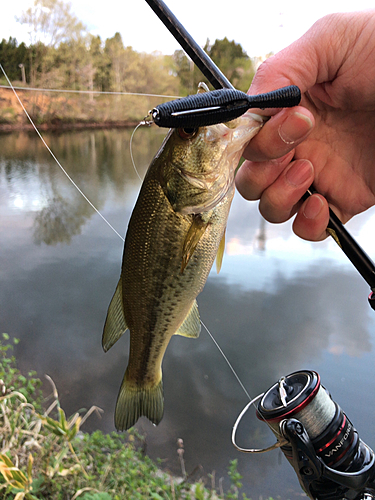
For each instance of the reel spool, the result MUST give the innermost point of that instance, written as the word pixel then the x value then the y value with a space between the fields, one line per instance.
pixel 299 395
pixel 331 433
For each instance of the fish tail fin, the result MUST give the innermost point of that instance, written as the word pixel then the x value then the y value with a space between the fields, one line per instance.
pixel 135 402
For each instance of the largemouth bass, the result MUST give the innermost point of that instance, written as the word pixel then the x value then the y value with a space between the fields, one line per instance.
pixel 176 229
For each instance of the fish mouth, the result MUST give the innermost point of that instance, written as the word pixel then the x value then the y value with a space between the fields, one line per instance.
pixel 218 181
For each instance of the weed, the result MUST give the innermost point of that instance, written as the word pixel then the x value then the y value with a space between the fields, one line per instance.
pixel 236 484
pixel 45 455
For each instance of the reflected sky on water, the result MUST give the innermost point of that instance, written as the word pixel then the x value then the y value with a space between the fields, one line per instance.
pixel 279 304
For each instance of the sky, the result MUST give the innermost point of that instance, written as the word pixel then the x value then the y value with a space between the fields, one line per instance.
pixel 260 27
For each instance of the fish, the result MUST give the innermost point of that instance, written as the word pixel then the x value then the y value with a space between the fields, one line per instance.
pixel 176 230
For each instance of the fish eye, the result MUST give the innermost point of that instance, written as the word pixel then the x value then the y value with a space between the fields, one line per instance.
pixel 187 132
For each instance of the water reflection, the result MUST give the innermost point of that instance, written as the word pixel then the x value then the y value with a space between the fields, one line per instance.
pixel 279 305
pixel 98 161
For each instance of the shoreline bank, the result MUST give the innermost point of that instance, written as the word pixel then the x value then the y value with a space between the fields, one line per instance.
pixel 62 126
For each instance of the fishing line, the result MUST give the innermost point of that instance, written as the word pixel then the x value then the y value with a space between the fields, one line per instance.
pixel 227 361
pixel 143 122
pixel 87 91
pixel 56 160
pixel 252 400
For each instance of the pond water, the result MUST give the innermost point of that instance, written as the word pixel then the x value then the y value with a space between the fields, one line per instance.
pixel 279 304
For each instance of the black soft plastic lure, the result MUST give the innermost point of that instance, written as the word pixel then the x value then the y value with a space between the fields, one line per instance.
pixel 219 106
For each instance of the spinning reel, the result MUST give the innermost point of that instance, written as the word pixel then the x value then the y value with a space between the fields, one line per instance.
pixel 317 438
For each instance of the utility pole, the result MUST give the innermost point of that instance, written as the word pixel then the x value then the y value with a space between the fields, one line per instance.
pixel 23 73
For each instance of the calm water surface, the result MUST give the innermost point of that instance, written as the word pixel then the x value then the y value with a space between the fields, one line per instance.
pixel 279 304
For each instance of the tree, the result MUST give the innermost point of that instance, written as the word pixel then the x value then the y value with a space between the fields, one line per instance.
pixel 114 49
pixel 100 64
pixel 227 55
pixel 51 22
pixel 187 72
pixel 233 61
pixel 12 56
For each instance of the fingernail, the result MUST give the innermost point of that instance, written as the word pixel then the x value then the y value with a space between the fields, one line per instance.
pixel 312 207
pixel 294 128
pixel 299 172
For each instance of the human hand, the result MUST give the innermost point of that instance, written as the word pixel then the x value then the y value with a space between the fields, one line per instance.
pixel 334 66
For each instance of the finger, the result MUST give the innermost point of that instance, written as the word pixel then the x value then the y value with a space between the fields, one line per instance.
pixel 312 219
pixel 253 178
pixel 314 58
pixel 282 198
pixel 280 134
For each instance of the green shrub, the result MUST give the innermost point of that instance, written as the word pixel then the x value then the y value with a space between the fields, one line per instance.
pixel 45 455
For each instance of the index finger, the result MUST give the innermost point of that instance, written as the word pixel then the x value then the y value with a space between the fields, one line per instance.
pixel 282 133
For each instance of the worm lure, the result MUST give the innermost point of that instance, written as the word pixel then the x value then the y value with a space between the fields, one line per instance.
pixel 219 106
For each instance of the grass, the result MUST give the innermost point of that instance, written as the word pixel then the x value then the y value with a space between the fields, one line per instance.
pixel 45 455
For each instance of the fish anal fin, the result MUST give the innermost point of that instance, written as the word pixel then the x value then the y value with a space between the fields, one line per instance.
pixel 115 324
pixel 220 254
pixel 191 326
pixel 193 236
pixel 134 402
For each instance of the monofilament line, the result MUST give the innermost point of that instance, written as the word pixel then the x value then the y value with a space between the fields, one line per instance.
pixel 227 361
pixel 131 148
pixel 252 401
pixel 97 92
pixel 54 157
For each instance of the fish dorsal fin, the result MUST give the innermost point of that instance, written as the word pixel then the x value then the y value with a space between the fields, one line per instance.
pixel 115 324
pixel 191 326
pixel 193 236
pixel 220 254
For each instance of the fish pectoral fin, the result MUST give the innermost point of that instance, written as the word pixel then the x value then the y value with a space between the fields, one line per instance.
pixel 191 326
pixel 115 324
pixel 220 254
pixel 193 236
pixel 135 402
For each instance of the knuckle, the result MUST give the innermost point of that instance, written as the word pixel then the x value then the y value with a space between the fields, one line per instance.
pixel 273 208
pixel 246 183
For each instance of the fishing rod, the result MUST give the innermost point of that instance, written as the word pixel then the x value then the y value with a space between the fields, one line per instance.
pixel 226 100
pixel 361 261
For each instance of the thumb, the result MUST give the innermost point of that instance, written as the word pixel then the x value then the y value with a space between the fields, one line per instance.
pixel 313 58
pixel 285 69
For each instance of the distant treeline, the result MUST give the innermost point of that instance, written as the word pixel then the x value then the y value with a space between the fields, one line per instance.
pixel 88 63
pixel 62 54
